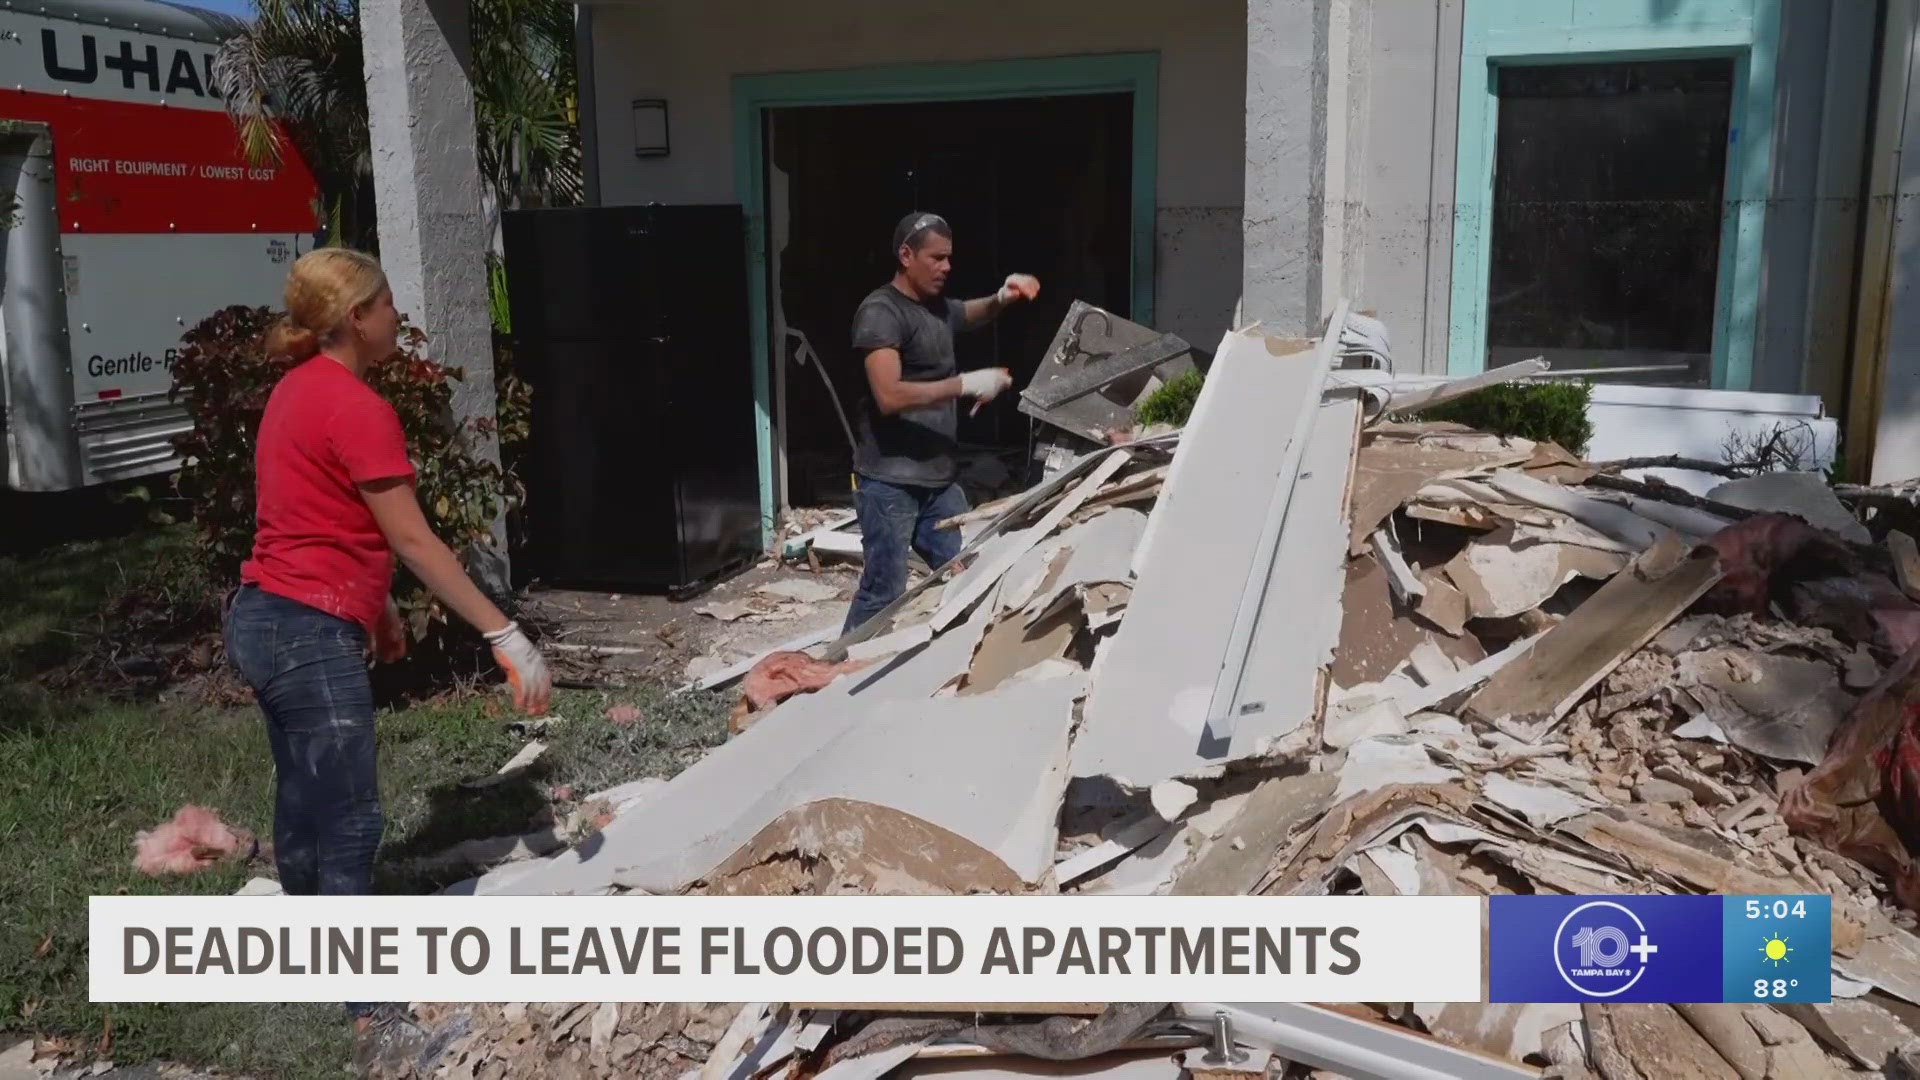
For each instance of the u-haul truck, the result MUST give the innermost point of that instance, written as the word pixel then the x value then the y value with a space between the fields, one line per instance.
pixel 134 215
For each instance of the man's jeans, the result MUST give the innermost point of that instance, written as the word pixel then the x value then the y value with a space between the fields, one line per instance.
pixel 308 670
pixel 896 518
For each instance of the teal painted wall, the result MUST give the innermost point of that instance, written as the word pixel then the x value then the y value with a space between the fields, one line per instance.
pixel 1547 31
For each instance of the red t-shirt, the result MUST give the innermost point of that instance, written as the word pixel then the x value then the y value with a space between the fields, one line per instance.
pixel 316 542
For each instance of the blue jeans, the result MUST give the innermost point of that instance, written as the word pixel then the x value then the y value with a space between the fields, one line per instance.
pixel 896 518
pixel 308 670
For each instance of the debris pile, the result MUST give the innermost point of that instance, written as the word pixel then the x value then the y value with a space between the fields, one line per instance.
pixel 1310 644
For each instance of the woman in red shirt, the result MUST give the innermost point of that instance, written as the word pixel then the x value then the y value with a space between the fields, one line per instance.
pixel 336 503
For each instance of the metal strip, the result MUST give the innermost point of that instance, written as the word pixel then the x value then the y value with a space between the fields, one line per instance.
pixel 1221 710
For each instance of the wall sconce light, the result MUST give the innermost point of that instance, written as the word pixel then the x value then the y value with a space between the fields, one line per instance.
pixel 650 127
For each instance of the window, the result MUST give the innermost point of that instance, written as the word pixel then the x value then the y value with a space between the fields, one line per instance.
pixel 1608 196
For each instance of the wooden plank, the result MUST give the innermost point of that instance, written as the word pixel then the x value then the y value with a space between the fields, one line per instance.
pixel 1529 696
pixel 1091 376
pixel 1906 562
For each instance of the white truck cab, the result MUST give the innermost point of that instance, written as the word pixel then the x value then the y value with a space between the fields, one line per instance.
pixel 133 214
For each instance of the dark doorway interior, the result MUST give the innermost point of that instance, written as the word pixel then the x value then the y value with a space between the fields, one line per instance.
pixel 1607 206
pixel 1032 185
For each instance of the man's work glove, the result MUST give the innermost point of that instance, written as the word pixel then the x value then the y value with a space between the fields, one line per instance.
pixel 389 636
pixel 526 669
pixel 1018 287
pixel 983 385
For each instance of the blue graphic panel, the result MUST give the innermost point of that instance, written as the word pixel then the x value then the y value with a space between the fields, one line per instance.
pixel 1605 948
pixel 1777 948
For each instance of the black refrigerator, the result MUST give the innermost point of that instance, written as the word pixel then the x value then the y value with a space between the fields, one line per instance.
pixel 630 326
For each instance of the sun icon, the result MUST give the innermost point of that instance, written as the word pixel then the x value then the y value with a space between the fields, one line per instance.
pixel 1775 949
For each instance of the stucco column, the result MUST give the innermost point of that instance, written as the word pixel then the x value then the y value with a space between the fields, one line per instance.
pixel 433 231
pixel 1286 163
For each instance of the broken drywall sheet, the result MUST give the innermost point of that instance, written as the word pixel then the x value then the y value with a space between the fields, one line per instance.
pixel 1685 520
pixel 987 571
pixel 1375 639
pixel 833 846
pixel 1398 866
pixel 1542 805
pixel 1805 495
pixel 1034 573
pixel 1233 862
pixel 1379 762
pixel 1501 580
pixel 1147 712
pixel 891 644
pixel 1414 394
pixel 1299 621
pixel 1860 1029
pixel 1615 521
pixel 1408 586
pixel 1396 463
pixel 1360 717
pixel 997 555
pixel 1119 841
pixel 1633 1039
pixel 1568 531
pixel 802 591
pixel 988 768
pixel 712 791
pixel 1506 1031
pixel 875 1065
pixel 1102 547
pixel 1011 647
pixel 1527 697
pixel 1889 960
pixel 1780 707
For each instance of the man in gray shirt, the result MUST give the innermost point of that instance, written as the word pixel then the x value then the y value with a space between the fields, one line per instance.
pixel 905 461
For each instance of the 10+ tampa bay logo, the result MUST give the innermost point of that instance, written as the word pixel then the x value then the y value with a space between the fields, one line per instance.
pixel 1602 949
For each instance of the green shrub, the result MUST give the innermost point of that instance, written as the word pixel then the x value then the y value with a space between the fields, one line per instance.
pixel 1544 412
pixel 1172 403
pixel 224 377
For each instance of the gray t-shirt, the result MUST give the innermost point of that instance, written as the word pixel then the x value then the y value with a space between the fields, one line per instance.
pixel 916 446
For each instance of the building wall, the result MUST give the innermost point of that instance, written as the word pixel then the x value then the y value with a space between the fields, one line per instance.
pixel 1404 64
pixel 1396 196
pixel 679 50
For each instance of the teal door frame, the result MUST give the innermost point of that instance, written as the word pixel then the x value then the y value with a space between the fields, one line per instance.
pixel 1134 73
pixel 1559 31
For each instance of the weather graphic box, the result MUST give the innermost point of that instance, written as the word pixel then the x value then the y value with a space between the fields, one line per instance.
pixel 1659 948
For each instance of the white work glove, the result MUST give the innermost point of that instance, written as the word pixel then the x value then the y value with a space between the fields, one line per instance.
pixel 526 669
pixel 984 384
pixel 1018 287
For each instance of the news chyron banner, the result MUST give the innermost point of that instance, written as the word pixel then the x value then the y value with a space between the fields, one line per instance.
pixel 961 949
pixel 1676 949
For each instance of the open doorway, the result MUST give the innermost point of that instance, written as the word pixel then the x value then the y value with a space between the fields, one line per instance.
pixel 1035 185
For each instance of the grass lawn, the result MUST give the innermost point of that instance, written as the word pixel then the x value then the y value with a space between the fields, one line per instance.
pixel 82 771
